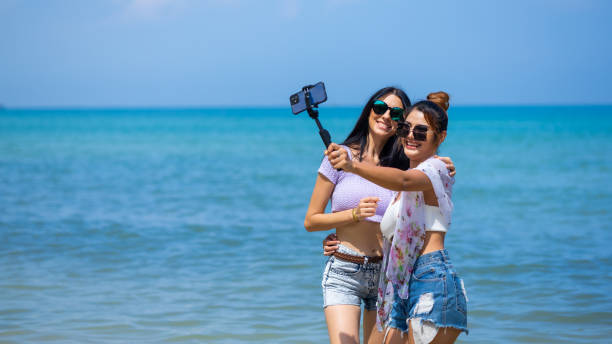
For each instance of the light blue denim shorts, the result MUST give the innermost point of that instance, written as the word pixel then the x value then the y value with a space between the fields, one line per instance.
pixel 437 295
pixel 348 283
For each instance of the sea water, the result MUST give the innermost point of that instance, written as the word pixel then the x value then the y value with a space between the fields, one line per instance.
pixel 186 225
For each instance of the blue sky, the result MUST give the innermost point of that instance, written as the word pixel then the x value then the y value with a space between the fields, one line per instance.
pixel 255 53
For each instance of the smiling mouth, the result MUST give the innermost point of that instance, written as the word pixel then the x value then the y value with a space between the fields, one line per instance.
pixel 384 126
pixel 412 145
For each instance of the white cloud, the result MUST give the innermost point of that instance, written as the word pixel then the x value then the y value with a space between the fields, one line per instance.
pixel 149 8
pixel 226 3
pixel 290 8
pixel 153 9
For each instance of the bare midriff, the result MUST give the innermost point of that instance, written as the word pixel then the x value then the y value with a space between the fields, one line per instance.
pixel 434 241
pixel 364 237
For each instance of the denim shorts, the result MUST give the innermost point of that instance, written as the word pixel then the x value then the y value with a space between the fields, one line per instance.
pixel 347 283
pixel 437 295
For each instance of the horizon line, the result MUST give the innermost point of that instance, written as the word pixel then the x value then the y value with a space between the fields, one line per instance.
pixel 199 107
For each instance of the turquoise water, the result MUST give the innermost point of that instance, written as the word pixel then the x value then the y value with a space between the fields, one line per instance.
pixel 184 226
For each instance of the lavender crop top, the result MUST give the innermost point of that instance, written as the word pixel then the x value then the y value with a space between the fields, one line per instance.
pixel 351 188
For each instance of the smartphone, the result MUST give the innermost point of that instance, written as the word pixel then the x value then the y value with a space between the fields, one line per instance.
pixel 298 100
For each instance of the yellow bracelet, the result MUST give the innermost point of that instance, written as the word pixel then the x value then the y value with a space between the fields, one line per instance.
pixel 355 218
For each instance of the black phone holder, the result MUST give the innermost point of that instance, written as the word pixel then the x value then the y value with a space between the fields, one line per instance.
pixel 313 112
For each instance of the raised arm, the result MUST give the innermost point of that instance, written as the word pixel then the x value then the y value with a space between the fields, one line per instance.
pixel 387 177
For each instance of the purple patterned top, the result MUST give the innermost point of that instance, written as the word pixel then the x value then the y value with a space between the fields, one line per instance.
pixel 350 188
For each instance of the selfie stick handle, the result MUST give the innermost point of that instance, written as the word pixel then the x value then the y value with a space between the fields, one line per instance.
pixel 324 134
pixel 313 112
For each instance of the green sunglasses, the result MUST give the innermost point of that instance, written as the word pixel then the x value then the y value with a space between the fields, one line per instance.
pixel 381 107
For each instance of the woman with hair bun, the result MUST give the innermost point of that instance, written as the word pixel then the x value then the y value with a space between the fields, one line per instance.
pixel 419 291
pixel 351 274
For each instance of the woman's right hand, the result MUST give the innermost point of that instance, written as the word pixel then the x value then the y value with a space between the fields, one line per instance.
pixel 366 207
pixel 330 244
pixel 338 157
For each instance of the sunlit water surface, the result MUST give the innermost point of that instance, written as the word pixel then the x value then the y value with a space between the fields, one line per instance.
pixel 185 226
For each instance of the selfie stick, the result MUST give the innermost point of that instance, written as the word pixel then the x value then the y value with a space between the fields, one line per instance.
pixel 313 112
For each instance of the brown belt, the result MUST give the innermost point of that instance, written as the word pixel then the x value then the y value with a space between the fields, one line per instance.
pixel 357 259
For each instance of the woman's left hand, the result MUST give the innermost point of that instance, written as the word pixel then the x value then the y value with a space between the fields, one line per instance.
pixel 449 164
pixel 338 157
pixel 330 244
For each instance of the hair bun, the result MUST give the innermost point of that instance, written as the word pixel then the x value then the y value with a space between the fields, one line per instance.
pixel 441 98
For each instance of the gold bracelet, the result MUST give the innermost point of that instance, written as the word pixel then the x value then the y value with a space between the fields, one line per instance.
pixel 355 218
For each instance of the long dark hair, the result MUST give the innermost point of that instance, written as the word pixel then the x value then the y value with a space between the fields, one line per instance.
pixel 391 155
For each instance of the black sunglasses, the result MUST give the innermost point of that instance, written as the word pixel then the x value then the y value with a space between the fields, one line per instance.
pixel 381 107
pixel 419 131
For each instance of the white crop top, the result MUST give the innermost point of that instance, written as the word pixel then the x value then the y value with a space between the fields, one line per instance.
pixel 434 220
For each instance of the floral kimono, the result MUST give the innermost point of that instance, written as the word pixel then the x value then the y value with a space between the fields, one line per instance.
pixel 402 250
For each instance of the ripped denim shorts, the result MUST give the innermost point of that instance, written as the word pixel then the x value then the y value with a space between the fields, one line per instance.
pixel 437 297
pixel 348 283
